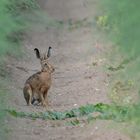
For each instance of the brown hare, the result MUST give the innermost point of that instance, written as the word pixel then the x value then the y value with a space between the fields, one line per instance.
pixel 36 86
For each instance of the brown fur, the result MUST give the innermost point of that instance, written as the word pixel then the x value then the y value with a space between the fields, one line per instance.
pixel 36 86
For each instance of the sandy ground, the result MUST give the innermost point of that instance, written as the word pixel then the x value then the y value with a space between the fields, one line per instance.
pixel 76 80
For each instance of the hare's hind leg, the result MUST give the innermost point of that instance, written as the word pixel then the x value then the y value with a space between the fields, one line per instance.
pixel 28 94
pixel 42 97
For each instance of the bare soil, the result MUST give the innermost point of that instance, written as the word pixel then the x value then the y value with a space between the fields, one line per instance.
pixel 76 81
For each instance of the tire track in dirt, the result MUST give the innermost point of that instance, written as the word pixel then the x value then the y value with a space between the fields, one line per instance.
pixel 76 81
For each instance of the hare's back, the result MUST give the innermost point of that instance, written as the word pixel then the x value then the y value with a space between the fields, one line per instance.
pixel 34 78
pixel 39 80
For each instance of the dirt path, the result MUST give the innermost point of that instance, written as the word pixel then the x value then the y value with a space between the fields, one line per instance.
pixel 76 81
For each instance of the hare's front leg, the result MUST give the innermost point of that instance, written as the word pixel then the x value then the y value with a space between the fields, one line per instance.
pixel 43 100
pixel 45 97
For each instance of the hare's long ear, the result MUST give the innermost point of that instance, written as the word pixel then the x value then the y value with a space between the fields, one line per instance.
pixel 49 52
pixel 37 53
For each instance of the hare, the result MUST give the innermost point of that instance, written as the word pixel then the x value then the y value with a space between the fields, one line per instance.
pixel 36 86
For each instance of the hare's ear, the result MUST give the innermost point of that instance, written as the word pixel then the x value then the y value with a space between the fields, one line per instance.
pixel 49 52
pixel 37 53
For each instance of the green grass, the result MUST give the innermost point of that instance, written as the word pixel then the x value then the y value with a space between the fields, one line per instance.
pixel 14 21
pixel 120 22
pixel 123 21
pixel 121 26
pixel 107 112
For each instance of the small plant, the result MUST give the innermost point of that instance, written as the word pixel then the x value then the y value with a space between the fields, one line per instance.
pixel 120 67
pixel 77 24
pixel 74 122
pixel 102 22
pixel 120 92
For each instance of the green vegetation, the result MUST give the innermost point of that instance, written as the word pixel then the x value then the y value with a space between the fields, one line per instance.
pixel 14 22
pixel 107 112
pixel 120 21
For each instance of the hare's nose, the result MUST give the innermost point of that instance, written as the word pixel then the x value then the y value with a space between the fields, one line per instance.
pixel 53 69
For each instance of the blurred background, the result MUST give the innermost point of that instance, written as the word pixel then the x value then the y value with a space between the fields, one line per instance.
pixel 115 24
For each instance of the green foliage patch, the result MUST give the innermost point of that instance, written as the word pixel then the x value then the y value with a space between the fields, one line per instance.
pixel 107 112
pixel 120 21
pixel 14 23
